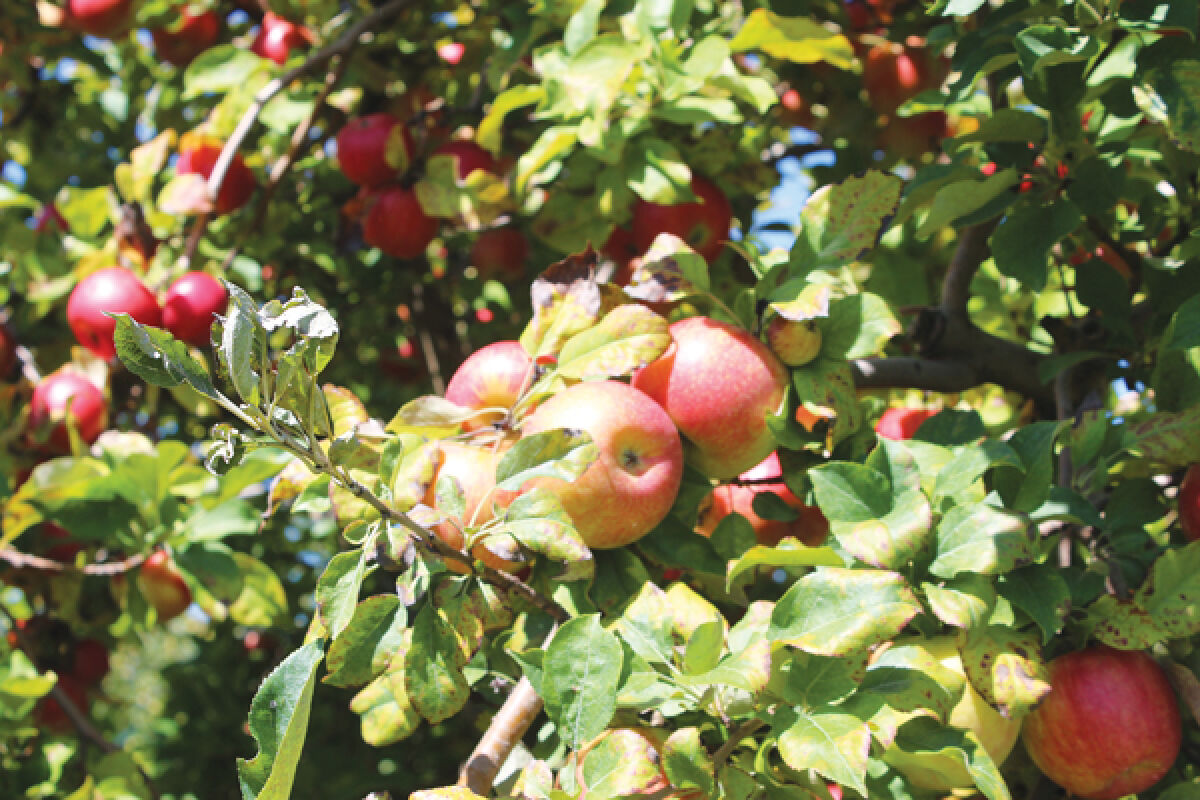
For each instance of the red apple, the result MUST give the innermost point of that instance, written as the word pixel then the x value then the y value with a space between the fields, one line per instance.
pixel 632 484
pixel 703 225
pixel 468 157
pixel 103 18
pixel 894 74
pixel 474 469
pixel 239 181
pixel 187 38
pixel 913 137
pixel 901 423
pixel 1110 726
pixel 65 550
pixel 363 144
pixel 1189 503
pixel 91 661
pixel 49 407
pixel 719 384
pixel 278 37
pixel 111 290
pixel 621 249
pixel 164 588
pixel 810 525
pixel 396 223
pixel 190 304
pixel 492 377
pixel 48 714
pixel 500 254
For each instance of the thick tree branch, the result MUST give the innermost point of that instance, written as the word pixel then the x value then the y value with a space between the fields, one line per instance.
pixel 968 257
pixel 506 729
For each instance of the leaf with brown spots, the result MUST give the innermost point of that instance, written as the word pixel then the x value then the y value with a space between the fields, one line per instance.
pixel 841 223
pixel 669 272
pixel 1168 439
pixel 1171 592
pixel 1005 666
pixel 566 300
pixel 1123 624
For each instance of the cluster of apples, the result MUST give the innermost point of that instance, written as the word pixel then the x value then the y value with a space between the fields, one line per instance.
pixel 707 398
pixel 79 664
pixel 375 151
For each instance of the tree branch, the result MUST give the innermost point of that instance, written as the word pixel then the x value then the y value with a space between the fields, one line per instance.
pixel 968 257
pixel 21 560
pixel 506 729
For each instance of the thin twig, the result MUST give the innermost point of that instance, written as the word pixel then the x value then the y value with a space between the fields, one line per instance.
pixel 21 560
pixel 427 349
pixel 747 728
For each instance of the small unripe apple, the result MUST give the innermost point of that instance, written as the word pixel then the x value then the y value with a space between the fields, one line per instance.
pixel 164 588
pixel 362 148
pixel 112 290
pixel 278 37
pixel 500 254
pixel 796 342
pixel 190 304
pixel 187 38
pixel 49 407
pixel 901 423
pixel 1189 503
pixel 492 377
pixel 105 19
pixel 1110 726
pixel 703 225
pixel 468 157
pixel 239 181
pixel 396 223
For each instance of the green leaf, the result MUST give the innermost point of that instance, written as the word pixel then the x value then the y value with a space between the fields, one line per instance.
pixel 686 761
pixel 338 588
pixel 1021 242
pixel 982 539
pixel 842 222
pixel 646 625
pixel 859 325
pixel 628 337
pixel 785 555
pixel 488 135
pixel 387 715
pixel 1005 666
pixel 837 612
pixel 960 199
pixel 848 492
pixel 557 453
pixel 924 744
pixel 1123 624
pixel 827 385
pixel 833 743
pixel 1041 592
pixel 157 357
pixel 433 666
pixel 814 681
pixel 1027 488
pixel 375 637
pixel 279 722
pixel 966 602
pixel 1171 591
pixel 552 146
pixel 1173 98
pixel 1166 439
pixel 243 342
pixel 262 601
pixel 219 69
pixel 537 520
pixel 582 670
pixel 797 39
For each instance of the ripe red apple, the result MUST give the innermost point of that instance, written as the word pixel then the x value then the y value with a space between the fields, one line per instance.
pixel 894 74
pixel 796 342
pixel 278 37
pixel 703 225
pixel 492 377
pixel 474 469
pixel 396 223
pixel 112 290
pixel 1189 503
pixel 468 157
pixel 1110 725
pixel 66 550
pixel 187 38
pixel 49 407
pixel 719 384
pixel 810 525
pixel 621 249
pixel 91 661
pixel 49 715
pixel 901 423
pixel 632 484
pixel 190 304
pixel 239 181
pixel 103 18
pixel 164 588
pixel 500 254
pixel 362 148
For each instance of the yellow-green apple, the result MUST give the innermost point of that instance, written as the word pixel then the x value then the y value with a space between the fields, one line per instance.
pixel 491 381
pixel 364 145
pixel 809 526
pixel 163 586
pixel 103 18
pixel 113 290
pixel 54 395
pixel 474 470
pixel 278 37
pixel 632 484
pixel 943 772
pixel 1110 726
pixel 396 223
pixel 1189 503
pixel 190 304
pixel 795 341
pixel 500 253
pixel 239 182
pixel 187 37
pixel 704 225
pixel 719 384
pixel 901 423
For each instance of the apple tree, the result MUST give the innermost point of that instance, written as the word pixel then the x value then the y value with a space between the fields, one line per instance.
pixel 685 398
